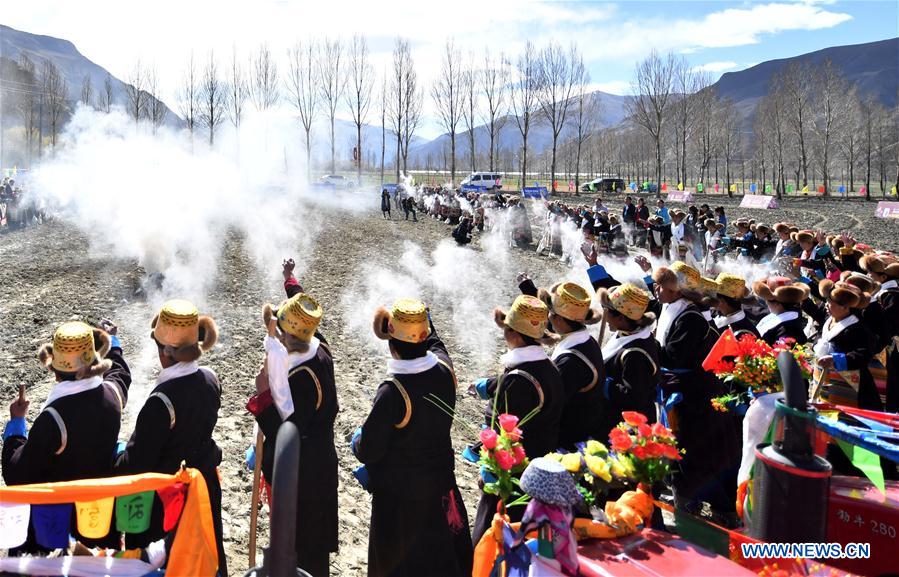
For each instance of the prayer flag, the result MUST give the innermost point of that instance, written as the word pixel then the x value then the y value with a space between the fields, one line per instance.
pixel 680 185
pixel 867 461
pixel 789 188
pixel 13 524
pixel 173 503
pixel 699 187
pixel 51 525
pixel 132 512
pixel 94 517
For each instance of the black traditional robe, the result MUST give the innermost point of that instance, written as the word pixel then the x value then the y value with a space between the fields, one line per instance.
pixel 632 375
pixel 583 376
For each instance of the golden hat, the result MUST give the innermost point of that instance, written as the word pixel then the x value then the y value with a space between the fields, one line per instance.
pixel 731 286
pixel 178 324
pixel 408 321
pixel 528 316
pixel 708 286
pixel 300 316
pixel 73 347
pixel 687 276
pixel 571 301
pixel 628 299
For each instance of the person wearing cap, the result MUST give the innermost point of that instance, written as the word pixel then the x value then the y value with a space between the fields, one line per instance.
pixel 660 236
pixel 297 385
pixel 816 256
pixel 758 245
pixel 418 519
pixel 530 384
pixel 578 358
pixel 846 345
pixel 662 211
pixel 74 436
pixel 177 420
pixel 712 235
pixel 784 299
pixel 886 273
pixel 631 356
pixel 785 245
pixel 709 437
pixel 731 291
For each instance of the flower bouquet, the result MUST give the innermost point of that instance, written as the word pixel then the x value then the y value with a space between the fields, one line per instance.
pixel 650 449
pixel 595 471
pixel 748 365
pixel 502 460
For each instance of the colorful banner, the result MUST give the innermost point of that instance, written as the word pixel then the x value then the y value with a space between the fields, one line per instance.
pixel 51 525
pixel 13 524
pixel 886 209
pixel 94 517
pixel 534 192
pixel 172 502
pixel 758 201
pixel 132 512
pixel 680 196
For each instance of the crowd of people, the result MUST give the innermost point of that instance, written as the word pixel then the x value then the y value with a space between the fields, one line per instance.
pixel 828 290
pixel 15 210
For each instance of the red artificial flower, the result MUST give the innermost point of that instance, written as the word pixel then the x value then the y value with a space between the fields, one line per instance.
pixel 514 435
pixel 639 452
pixel 504 459
pixel 634 418
pixel 488 438
pixel 508 422
pixel 620 440
pixel 653 449
pixel 670 452
pixel 518 452
pixel 659 430
pixel 644 430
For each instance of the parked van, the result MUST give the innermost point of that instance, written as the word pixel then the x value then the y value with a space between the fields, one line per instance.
pixel 492 181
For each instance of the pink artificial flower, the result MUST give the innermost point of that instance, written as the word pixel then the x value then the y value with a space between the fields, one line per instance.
pixel 518 452
pixel 508 422
pixel 634 418
pixel 514 435
pixel 505 460
pixel 488 438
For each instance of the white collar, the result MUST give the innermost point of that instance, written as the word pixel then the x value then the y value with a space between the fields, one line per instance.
pixel 176 371
pixel 521 355
pixel 296 359
pixel 772 321
pixel 723 321
pixel 618 342
pixel 707 315
pixel 833 329
pixel 67 388
pixel 411 366
pixel 670 312
pixel 889 285
pixel 570 341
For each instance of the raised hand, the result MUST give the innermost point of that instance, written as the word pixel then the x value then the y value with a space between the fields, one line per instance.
pixel 287 267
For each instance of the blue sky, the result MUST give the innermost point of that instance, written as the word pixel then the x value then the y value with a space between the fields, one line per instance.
pixel 720 36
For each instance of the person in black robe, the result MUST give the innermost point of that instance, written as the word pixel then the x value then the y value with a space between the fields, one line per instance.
pixel 307 397
pixel 846 344
pixel 175 424
pixel 385 204
pixel 529 385
pixel 462 233
pixel 578 358
pixel 709 438
pixel 75 434
pixel 419 525
pixel 784 299
pixel 887 274
pixel 731 293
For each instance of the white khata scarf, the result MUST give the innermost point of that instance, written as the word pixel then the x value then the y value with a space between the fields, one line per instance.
pixel 830 331
pixel 618 341
pixel 570 341
pixel 772 321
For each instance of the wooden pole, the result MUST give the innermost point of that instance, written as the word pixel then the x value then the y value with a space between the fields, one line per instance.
pixel 254 511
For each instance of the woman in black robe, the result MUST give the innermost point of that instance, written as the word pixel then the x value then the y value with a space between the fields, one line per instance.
pixel 784 299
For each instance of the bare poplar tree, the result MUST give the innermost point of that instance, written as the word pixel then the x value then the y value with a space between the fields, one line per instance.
pixel 728 126
pixel 189 96
pixel 447 94
pixel 238 90
pixel 704 135
pixel 56 92
pixel 557 75
pixel 156 109
pixel 402 64
pixel 359 95
pixel 87 91
pixel 383 104
pixel 413 101
pixel 28 102
pixel 213 98
pixel 650 106
pixel 871 112
pixel 135 92
pixel 333 84
pixel 586 112
pixel 494 85
pixel 470 108
pixel 107 97
pixel 798 93
pixel 687 85
pixel 524 100
pixel 854 128
pixel 303 91
pixel 264 82
pixel 830 104
pixel 772 113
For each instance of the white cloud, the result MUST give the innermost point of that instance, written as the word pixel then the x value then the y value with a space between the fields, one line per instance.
pixel 715 66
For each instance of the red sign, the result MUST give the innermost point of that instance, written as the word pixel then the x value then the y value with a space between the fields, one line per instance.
pixel 759 201
pixel 680 196
pixel 887 209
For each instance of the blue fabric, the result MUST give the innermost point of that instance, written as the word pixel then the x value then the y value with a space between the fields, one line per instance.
pixel 874 425
pixel 469 455
pixel 120 448
pixel 806 280
pixel 859 437
pixel 16 428
pixel 361 475
pixel 663 212
pixel 114 342
pixel 357 434
pixel 666 403
pixel 516 555
pixel 51 524
pixel 250 457
pixel 480 386
pixel 596 273
pixel 839 362
pixel 487 475
pixel 649 282
pixel 605 387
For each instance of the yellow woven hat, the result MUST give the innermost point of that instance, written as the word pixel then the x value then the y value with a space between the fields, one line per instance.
pixel 687 276
pixel 178 324
pixel 731 286
pixel 75 349
pixel 708 286
pixel 528 315
pixel 571 301
pixel 628 299
pixel 300 316
pixel 407 321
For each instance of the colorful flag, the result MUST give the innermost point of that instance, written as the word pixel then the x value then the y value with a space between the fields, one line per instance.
pixel 725 347
pixel 680 185
pixel 51 525
pixel 94 517
pixel 699 187
pixel 173 503
pixel 13 524
pixel 133 512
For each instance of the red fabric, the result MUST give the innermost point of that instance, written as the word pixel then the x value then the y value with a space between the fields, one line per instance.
pixel 725 347
pixel 259 402
pixel 173 503
pixel 292 282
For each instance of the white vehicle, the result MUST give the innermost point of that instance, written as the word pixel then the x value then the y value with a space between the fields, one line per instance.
pixel 492 181
pixel 335 180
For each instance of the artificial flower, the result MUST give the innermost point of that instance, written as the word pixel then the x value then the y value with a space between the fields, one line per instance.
pixel 504 459
pixel 634 418
pixel 596 448
pixel 488 438
pixel 620 440
pixel 519 454
pixel 572 462
pixel 508 422
pixel 599 467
